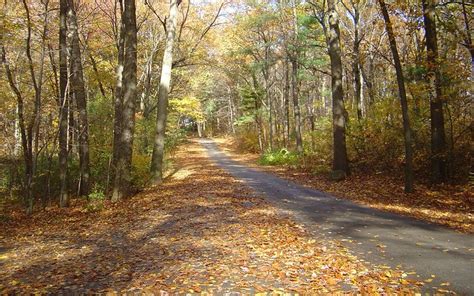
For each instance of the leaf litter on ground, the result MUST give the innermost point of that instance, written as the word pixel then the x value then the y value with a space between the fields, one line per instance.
pixel 201 232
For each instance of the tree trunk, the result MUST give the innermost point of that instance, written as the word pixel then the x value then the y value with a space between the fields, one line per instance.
pixel 29 131
pixel 163 92
pixel 356 67
pixel 270 109
pixel 296 105
pixel 37 82
pixel 21 122
pixel 340 161
pixel 79 94
pixel 148 75
pixel 199 129
pixel 118 95
pixel 294 82
pixel 369 85
pixel 38 91
pixel 403 100
pixel 64 106
pixel 231 112
pixel 286 98
pixel 97 74
pixel 312 118
pixel 438 138
pixel 468 38
pixel 122 180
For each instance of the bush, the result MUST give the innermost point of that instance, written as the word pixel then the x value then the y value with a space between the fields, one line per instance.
pixel 281 157
pixel 173 139
pixel 95 201
pixel 140 170
pixel 247 140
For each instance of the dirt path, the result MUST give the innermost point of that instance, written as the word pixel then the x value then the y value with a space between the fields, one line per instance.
pixel 442 257
pixel 202 231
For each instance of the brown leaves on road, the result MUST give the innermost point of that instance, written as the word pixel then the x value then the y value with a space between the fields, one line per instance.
pixel 200 232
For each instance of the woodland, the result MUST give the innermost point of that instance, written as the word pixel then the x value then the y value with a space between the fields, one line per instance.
pixel 101 100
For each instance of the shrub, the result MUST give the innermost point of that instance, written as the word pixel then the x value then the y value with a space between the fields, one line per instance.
pixel 281 157
pixel 140 170
pixel 247 140
pixel 95 200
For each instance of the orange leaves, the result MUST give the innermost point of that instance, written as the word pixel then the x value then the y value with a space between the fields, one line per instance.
pixel 202 233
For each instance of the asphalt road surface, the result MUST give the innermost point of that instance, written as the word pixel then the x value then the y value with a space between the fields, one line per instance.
pixel 376 236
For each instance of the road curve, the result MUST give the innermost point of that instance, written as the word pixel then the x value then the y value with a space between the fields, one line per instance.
pixel 378 237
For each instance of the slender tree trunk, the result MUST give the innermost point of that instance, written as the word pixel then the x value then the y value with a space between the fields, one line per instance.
pixel 340 161
pixel 37 82
pixel 97 74
pixel 438 138
pixel 258 125
pixel 231 112
pixel 363 107
pixel 38 91
pixel 118 95
pixel 369 85
pixel 294 82
pixel 403 99
pixel 257 117
pixel 122 180
pixel 324 108
pixel 468 38
pixel 311 120
pixel 79 93
pixel 163 92
pixel 64 106
pixel 270 110
pixel 21 122
pixel 199 129
pixel 296 106
pixel 356 66
pixel 286 98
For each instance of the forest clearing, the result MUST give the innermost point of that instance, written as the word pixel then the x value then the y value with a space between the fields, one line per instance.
pixel 236 147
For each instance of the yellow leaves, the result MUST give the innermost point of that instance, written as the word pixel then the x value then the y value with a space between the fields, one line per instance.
pixel 189 106
pixel 276 266
pixel 430 279
pixel 404 282
pixel 332 281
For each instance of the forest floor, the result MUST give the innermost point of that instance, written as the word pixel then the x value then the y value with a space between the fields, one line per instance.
pixel 201 232
pixel 452 206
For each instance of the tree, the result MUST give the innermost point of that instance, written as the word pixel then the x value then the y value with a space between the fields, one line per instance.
pixel 64 105
pixel 340 161
pixel 29 130
pixel 354 12
pixel 79 97
pixel 294 82
pixel 403 99
pixel 118 94
pixel 438 138
pixel 165 81
pixel 123 165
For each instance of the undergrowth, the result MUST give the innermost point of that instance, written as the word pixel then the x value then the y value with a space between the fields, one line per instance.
pixel 280 157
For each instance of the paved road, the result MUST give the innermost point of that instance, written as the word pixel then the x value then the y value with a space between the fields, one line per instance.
pixel 378 237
